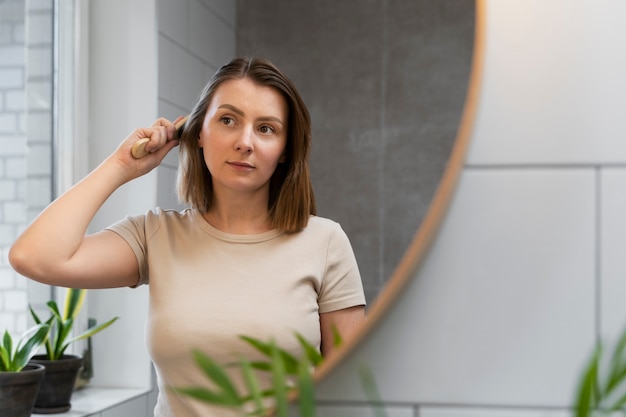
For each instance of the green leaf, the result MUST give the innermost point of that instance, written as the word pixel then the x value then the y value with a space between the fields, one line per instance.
pixel 91 331
pixel 261 366
pixel 314 356
pixel 617 366
pixel 217 374
pixel 35 316
pixel 337 339
pixel 371 390
pixel 279 380
pixel 306 388
pixel 253 385
pixel 619 404
pixel 209 396
pixel 586 398
pixel 63 330
pixel 52 305
pixel 74 299
pixel 26 351
pixel 49 348
pixel 7 342
pixel 289 361
pixel 5 356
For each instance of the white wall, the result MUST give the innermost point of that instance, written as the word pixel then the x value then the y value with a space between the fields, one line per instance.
pixel 122 97
pixel 153 62
pixel 528 268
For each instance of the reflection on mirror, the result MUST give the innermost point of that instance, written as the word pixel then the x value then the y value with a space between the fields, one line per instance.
pixel 386 83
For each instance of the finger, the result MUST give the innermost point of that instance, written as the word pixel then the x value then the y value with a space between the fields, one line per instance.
pixel 149 140
pixel 161 121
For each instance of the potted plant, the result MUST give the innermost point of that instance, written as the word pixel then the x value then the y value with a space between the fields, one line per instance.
pixel 61 368
pixel 19 380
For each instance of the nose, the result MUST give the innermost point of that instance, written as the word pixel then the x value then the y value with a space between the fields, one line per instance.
pixel 244 141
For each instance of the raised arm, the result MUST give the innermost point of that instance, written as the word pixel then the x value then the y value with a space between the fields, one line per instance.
pixel 54 248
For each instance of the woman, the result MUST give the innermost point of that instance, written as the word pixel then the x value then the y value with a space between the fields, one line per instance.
pixel 249 257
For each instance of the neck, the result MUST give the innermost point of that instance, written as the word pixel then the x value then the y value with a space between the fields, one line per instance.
pixel 239 216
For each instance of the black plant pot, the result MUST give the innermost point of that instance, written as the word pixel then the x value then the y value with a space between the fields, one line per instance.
pixel 18 390
pixel 57 386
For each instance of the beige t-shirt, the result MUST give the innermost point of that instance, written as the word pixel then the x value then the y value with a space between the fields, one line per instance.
pixel 208 287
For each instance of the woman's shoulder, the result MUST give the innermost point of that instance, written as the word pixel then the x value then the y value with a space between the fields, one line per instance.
pixel 154 219
pixel 322 225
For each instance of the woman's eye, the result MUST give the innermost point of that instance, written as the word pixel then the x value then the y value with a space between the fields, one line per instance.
pixel 266 129
pixel 227 120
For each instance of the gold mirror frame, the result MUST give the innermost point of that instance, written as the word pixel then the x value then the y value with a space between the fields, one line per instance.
pixel 420 244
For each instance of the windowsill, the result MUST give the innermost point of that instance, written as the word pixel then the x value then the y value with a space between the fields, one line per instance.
pixel 90 400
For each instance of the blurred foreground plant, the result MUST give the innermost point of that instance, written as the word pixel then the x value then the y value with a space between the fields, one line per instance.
pixel 291 378
pixel 602 385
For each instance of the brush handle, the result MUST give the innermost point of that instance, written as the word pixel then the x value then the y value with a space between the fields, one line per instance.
pixel 139 148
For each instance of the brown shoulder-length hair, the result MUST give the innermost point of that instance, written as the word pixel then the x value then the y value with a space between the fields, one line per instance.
pixel 291 199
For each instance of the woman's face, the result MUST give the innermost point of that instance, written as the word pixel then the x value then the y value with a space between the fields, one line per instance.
pixel 243 136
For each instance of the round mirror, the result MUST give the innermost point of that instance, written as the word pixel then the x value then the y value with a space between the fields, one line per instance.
pixel 386 84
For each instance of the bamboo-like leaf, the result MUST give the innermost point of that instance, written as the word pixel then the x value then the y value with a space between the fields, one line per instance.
pixel 74 299
pixel 52 305
pixel 619 404
pixel 617 372
pixel 371 390
pixel 5 359
pixel 63 330
pixel 337 339
pixel 289 361
pixel 279 380
pixel 90 332
pixel 7 342
pixel 49 348
pixel 28 345
pixel 6 352
pixel 314 356
pixel 217 374
pixel 61 325
pixel 261 366
pixel 252 383
pixel 587 397
pixel 306 388
pixel 206 395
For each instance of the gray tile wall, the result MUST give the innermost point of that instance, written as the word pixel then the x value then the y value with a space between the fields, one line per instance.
pixel 385 82
pixel 195 38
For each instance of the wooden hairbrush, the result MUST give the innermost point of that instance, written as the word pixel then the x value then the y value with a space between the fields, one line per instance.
pixel 139 148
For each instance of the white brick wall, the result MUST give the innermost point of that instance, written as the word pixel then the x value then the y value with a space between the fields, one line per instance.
pixel 12 148
pixel 25 138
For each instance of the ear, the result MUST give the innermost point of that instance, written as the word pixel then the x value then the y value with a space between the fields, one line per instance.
pixel 282 159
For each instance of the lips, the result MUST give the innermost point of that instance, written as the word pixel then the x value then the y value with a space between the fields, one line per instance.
pixel 240 164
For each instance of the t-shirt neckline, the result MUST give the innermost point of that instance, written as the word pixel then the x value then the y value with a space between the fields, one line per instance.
pixel 232 237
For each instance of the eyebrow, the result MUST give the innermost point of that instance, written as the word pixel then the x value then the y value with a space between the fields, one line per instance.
pixel 241 113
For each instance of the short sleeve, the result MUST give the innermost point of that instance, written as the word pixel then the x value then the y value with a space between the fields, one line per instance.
pixel 341 285
pixel 133 230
